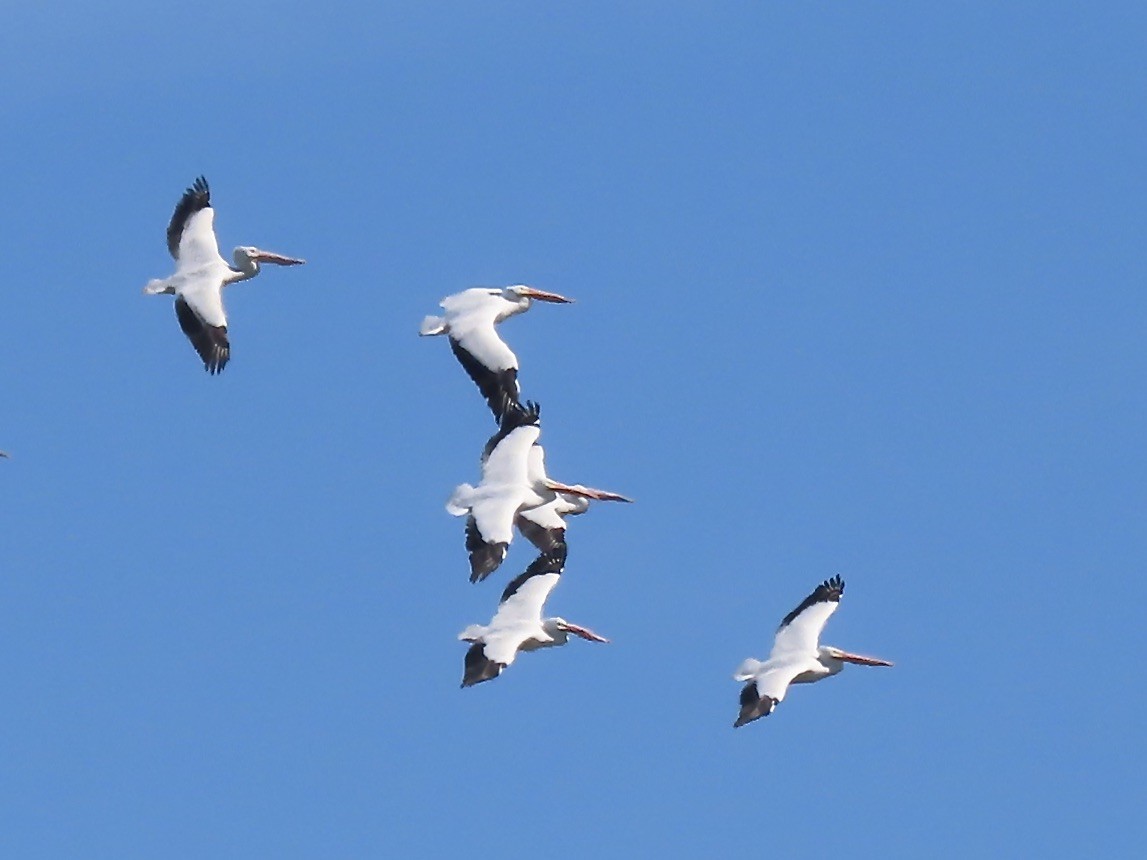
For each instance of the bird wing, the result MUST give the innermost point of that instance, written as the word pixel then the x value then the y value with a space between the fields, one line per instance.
pixel 485 555
pixel 516 415
pixel 191 232
pixel 478 667
pixel 493 517
pixel 200 314
pixel 519 615
pixel 542 526
pixel 473 329
pixel 498 383
pixel 525 595
pixel 775 677
pixel 800 630
pixel 508 459
pixel 765 689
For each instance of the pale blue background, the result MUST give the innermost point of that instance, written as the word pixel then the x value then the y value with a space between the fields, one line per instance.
pixel 860 289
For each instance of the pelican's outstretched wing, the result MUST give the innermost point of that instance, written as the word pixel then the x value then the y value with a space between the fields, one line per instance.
pixel 191 232
pixel 765 690
pixel 495 373
pixel 485 555
pixel 800 630
pixel 516 415
pixel 195 312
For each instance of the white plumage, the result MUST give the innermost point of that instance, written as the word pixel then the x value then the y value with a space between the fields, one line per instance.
pixel 544 525
pixel 201 274
pixel 518 624
pixel 513 481
pixel 797 657
pixel 470 320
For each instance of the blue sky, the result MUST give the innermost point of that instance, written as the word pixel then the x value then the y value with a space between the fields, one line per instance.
pixel 860 291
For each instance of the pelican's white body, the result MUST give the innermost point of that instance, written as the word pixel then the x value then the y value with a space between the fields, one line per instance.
pixel 200 273
pixel 518 624
pixel 796 657
pixel 470 319
pixel 505 487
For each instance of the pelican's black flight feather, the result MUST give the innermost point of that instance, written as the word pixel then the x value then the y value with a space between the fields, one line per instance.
pixel 195 198
pixel 829 590
pixel 210 341
pixel 547 562
pixel 753 705
pixel 484 557
pixel 515 416
pixel 499 387
pixel 478 667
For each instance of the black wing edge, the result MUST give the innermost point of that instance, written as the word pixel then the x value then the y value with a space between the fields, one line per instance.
pixel 485 556
pixel 830 589
pixel 197 197
pixel 478 667
pixel 753 705
pixel 553 561
pixel 499 387
pixel 543 538
pixel 516 416
pixel 210 341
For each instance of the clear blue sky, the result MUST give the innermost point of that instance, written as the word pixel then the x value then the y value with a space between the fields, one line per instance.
pixel 860 288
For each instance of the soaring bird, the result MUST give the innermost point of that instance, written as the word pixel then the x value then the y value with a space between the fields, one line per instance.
pixel 469 321
pixel 518 624
pixel 796 657
pixel 508 486
pixel 201 274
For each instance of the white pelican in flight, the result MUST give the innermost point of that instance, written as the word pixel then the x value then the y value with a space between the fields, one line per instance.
pixel 518 624
pixel 507 487
pixel 201 274
pixel 469 321
pixel 796 657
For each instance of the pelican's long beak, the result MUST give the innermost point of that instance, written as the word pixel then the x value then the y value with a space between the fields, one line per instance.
pixel 583 632
pixel 860 659
pixel 543 296
pixel 276 259
pixel 586 492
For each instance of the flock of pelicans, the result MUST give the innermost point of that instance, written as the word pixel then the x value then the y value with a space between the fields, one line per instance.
pixel 514 490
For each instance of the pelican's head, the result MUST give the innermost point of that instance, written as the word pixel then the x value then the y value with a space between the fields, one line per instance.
pixel 520 292
pixel 248 257
pixel 563 628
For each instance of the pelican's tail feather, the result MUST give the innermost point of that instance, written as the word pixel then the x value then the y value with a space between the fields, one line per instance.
pixel 748 670
pixel 461 501
pixel 432 325
pixel 156 286
pixel 472 633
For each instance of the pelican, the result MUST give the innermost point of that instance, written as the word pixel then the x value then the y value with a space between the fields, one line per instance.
pixel 518 624
pixel 796 657
pixel 544 526
pixel 469 321
pixel 507 487
pixel 201 274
